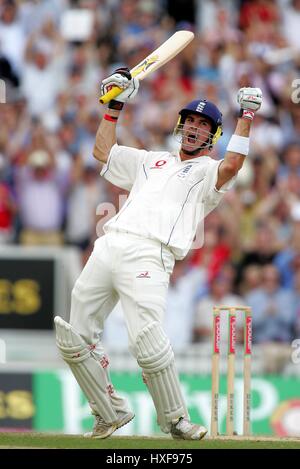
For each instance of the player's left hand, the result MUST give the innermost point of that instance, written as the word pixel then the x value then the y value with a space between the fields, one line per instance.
pixel 250 99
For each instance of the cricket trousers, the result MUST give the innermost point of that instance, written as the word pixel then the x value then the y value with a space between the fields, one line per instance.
pixel 121 267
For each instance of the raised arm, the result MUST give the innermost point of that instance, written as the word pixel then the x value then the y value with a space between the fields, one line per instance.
pixel 250 100
pixel 106 134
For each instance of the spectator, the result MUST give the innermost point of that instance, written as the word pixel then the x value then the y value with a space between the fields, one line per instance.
pixel 220 292
pixel 85 195
pixel 213 255
pixel 291 21
pixel 276 207
pixel 253 11
pixel 87 137
pixel 263 250
pixel 12 36
pixel 273 311
pixel 290 161
pixel 288 260
pixel 44 70
pixel 40 197
pixel 8 75
pixel 251 279
pixel 274 319
pixel 267 135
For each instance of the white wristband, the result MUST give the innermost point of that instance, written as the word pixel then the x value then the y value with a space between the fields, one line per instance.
pixel 238 144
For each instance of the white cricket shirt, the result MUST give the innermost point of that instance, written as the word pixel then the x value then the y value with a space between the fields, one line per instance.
pixel 168 197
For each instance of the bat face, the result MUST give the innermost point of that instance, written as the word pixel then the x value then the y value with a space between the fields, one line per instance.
pixel 159 57
pixel 145 65
pixel 163 54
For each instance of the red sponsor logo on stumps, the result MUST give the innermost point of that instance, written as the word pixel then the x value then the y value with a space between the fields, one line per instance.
pixel 217 326
pixel 232 333
pixel 248 336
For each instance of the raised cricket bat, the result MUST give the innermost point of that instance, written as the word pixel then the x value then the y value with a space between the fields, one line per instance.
pixel 155 60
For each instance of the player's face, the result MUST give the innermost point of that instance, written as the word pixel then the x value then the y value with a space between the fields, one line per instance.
pixel 196 131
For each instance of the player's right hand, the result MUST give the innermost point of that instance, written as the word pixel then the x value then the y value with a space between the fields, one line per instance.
pixel 123 79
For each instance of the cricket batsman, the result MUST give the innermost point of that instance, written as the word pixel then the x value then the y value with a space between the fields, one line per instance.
pixel 170 194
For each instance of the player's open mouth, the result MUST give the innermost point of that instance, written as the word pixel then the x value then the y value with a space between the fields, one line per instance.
pixel 191 138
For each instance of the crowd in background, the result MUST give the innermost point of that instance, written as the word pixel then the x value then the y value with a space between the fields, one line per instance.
pixel 50 189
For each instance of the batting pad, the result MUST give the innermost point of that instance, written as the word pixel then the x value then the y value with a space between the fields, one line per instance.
pixel 156 357
pixel 87 371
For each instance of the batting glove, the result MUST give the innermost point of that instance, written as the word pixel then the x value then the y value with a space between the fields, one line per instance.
pixel 123 79
pixel 250 100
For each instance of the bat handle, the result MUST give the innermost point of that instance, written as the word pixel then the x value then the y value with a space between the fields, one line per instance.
pixel 115 91
pixel 111 94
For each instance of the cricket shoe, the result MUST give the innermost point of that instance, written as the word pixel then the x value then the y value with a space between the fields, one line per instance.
pixel 183 429
pixel 102 429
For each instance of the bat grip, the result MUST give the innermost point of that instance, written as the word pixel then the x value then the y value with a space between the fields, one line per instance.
pixel 113 93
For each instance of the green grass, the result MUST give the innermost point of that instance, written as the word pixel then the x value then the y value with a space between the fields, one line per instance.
pixel 39 440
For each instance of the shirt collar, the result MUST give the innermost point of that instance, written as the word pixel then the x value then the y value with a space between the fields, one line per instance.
pixel 198 159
